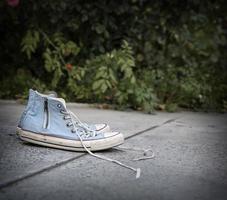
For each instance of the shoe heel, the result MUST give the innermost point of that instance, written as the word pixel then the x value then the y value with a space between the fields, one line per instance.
pixel 18 131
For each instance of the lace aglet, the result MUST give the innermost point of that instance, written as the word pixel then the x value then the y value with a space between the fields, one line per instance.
pixel 138 172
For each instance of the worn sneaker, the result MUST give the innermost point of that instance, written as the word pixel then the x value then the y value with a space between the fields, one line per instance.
pixel 97 127
pixel 47 121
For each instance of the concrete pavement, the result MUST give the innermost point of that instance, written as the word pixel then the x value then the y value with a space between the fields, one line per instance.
pixel 190 162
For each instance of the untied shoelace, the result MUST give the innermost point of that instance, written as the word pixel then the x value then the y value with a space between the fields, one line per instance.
pixel 88 132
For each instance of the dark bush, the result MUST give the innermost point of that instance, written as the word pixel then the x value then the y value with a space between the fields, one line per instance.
pixel 135 53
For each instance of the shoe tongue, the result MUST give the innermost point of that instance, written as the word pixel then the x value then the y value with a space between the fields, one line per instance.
pixel 62 101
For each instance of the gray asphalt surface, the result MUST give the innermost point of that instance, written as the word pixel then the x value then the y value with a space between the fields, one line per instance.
pixel 190 159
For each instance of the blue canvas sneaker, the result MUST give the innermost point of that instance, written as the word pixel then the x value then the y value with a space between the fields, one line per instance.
pixel 96 127
pixel 47 121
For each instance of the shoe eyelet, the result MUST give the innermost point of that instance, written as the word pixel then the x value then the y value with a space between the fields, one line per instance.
pixel 64 118
pixel 72 131
pixel 59 105
pixel 67 125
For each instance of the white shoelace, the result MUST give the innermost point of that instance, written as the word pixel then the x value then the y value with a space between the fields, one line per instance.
pixel 86 126
pixel 92 132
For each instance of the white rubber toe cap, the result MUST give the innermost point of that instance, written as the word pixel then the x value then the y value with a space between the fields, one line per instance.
pixel 102 128
pixel 112 134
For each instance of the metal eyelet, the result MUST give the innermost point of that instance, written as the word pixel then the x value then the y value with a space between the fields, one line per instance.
pixel 59 105
pixel 64 118
pixel 72 131
pixel 67 125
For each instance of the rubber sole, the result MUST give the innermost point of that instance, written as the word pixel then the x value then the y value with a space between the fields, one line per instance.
pixel 67 144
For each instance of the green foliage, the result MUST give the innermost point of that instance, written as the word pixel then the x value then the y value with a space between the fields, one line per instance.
pixel 56 49
pixel 19 83
pixel 29 42
pixel 143 55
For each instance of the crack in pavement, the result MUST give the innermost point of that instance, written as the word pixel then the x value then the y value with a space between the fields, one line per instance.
pixel 58 164
pixel 151 128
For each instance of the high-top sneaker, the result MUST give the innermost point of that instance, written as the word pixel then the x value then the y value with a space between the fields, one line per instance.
pixel 47 121
pixel 97 127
